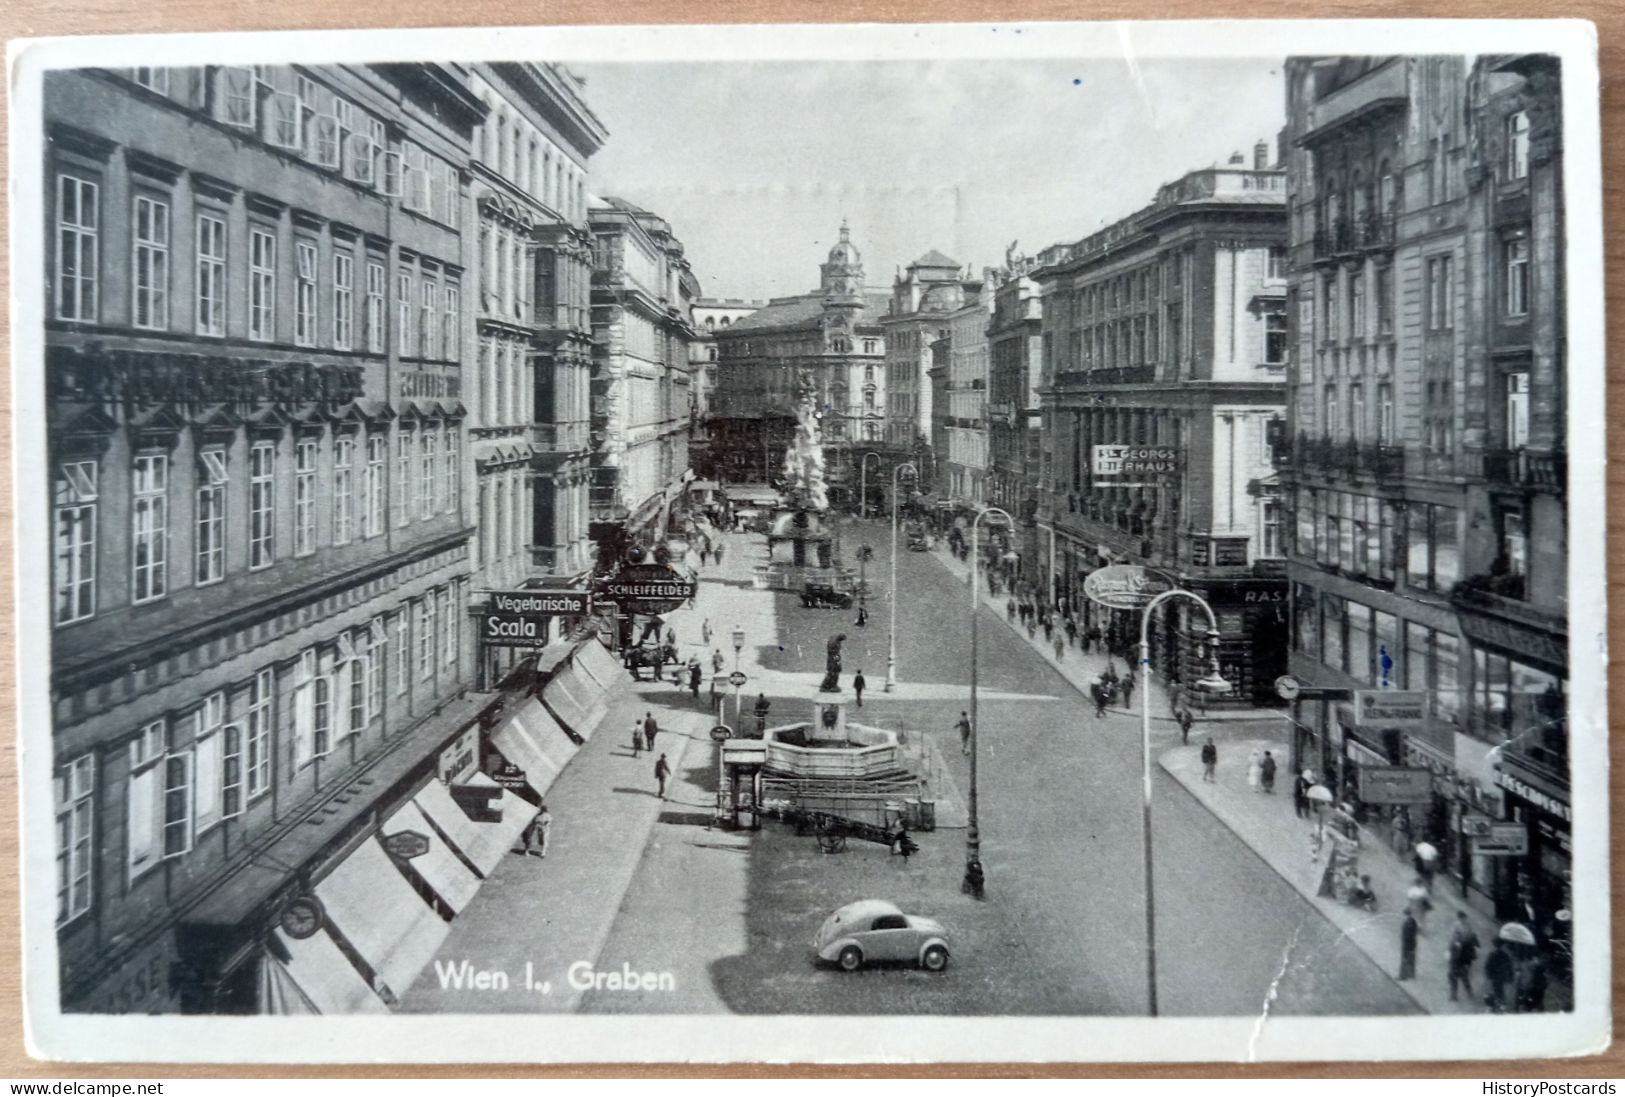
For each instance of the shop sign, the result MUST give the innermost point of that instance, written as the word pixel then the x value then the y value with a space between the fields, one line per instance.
pixel 1545 802
pixel 1396 785
pixel 1229 552
pixel 542 603
pixel 1406 709
pixel 648 589
pixel 1532 642
pixel 1476 826
pixel 1125 586
pixel 510 777
pixel 1115 466
pixel 458 759
pixel 508 630
pixel 1552 835
pixel 406 844
pixel 1503 840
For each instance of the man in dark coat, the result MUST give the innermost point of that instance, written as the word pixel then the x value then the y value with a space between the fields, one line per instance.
pixel 1463 951
pixel 694 676
pixel 858 685
pixel 1498 970
pixel 1210 759
pixel 1300 796
pixel 1266 772
pixel 1185 721
pixel 662 771
pixel 1407 947
pixel 650 729
pixel 1097 690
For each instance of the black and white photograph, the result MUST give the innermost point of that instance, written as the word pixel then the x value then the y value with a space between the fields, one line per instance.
pixel 843 543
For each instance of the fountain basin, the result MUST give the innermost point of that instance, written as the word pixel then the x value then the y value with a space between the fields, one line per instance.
pixel 859 752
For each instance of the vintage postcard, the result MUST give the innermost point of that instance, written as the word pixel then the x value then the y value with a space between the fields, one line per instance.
pixel 812 543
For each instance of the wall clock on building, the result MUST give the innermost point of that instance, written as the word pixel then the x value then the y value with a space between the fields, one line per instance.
pixel 302 917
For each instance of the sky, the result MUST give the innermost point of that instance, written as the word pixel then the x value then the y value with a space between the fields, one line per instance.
pixel 754 164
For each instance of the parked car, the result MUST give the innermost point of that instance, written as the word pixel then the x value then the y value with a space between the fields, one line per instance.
pixel 819 596
pixel 872 930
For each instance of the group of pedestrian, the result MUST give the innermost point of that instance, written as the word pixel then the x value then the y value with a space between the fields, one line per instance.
pixel 1107 687
pixel 1261 771
pixel 643 739
pixel 1525 975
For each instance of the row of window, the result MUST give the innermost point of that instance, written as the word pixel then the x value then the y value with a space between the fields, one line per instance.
pixel 190 772
pixel 330 307
pixel 524 156
pixel 350 477
pixel 291 110
pixel 1365 643
pixel 1375 538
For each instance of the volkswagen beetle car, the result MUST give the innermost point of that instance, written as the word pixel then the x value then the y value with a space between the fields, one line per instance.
pixel 819 596
pixel 873 930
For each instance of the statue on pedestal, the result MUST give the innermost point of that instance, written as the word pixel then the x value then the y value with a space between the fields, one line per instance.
pixel 832 665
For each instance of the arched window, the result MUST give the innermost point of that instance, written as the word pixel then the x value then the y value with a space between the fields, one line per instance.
pixel 710 323
pixel 726 321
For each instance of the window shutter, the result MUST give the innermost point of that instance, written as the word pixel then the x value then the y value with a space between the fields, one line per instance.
pixel 389 181
pixel 304 722
pixel 209 782
pixel 325 150
pixel 143 817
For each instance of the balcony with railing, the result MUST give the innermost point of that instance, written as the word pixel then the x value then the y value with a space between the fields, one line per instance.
pixel 560 438
pixel 1350 236
pixel 1344 457
pixel 1526 468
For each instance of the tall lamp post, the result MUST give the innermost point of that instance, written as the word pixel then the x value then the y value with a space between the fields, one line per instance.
pixel 739 646
pixel 974 875
pixel 891 643
pixel 863 483
pixel 1211 682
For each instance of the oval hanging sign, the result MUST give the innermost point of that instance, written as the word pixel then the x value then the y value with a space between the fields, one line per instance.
pixel 1125 586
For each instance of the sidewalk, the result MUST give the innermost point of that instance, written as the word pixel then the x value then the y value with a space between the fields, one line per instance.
pixel 1268 824
pixel 1081 669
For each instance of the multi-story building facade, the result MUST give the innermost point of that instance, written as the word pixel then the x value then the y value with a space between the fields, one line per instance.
pixel 833 335
pixel 1165 331
pixel 1426 470
pixel 530 393
pixel 1015 348
pixel 642 296
pixel 254 354
pixel 710 313
pixel 964 463
pixel 921 298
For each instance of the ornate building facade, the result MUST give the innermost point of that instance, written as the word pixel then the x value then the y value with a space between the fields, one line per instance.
pixel 1426 468
pixel 642 296
pixel 834 334
pixel 255 360
pixel 922 296
pixel 1165 332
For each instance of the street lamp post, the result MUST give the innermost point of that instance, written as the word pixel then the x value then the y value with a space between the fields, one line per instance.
pixel 1212 682
pixel 974 875
pixel 739 646
pixel 891 643
pixel 863 483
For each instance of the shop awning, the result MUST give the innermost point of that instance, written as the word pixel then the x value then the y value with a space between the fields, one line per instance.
pixel 485 844
pixel 522 748
pixel 440 868
pixel 323 975
pixel 382 917
pixel 600 665
pixel 576 699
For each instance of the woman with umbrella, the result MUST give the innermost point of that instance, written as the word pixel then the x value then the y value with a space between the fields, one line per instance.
pixel 1425 858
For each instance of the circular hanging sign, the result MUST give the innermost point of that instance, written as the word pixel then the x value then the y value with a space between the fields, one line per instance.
pixel 721 732
pixel 1125 586
pixel 737 678
pixel 647 589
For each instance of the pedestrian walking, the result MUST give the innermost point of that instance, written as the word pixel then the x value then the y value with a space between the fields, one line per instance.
pixel 1093 638
pixel 1071 630
pixel 1010 610
pixel 637 738
pixel 717 552
pixel 705 632
pixel 1060 646
pixel 1100 694
pixel 716 661
pixel 1049 628
pixel 1424 865
pixel 1210 759
pixel 671 638
pixel 1418 903
pixel 662 771
pixel 1127 686
pixel 1408 931
pixel 859 685
pixel 762 706
pixel 1255 770
pixel 1463 951
pixel 1402 830
pixel 1185 721
pixel 1267 773
pixel 544 830
pixel 1300 796
pixel 964 732
pixel 650 730
pixel 1498 972
pixel 1530 986
pixel 694 676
